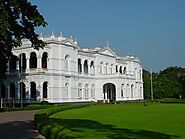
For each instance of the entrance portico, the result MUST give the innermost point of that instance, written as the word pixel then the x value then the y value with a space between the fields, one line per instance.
pixel 109 91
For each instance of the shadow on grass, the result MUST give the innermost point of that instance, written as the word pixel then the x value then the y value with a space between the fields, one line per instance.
pixel 93 129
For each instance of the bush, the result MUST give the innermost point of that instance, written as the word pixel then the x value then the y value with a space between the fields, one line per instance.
pixel 171 100
pixel 49 127
pixel 29 107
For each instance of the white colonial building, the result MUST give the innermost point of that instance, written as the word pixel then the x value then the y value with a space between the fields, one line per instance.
pixel 64 72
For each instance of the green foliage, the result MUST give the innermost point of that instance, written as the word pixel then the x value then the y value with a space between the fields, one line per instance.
pixel 169 83
pixel 171 100
pixel 51 128
pixel 18 20
pixel 146 85
pixel 29 107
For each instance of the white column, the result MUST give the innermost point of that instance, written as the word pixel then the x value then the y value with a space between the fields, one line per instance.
pixel 18 91
pixel 82 68
pixel 39 66
pixel 17 65
pixel 106 92
pixel 105 95
pixel 89 70
pixel 27 63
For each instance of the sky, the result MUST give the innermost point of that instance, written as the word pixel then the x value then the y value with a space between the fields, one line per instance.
pixel 153 30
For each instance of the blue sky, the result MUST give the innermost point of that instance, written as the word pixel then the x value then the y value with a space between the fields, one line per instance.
pixel 153 30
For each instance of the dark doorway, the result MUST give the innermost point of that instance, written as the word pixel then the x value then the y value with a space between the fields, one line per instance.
pixel 44 60
pixel 2 93
pixel 22 62
pixel 45 89
pixel 109 91
pixel 33 90
pixel 22 90
pixel 13 63
pixel 33 60
pixel 12 90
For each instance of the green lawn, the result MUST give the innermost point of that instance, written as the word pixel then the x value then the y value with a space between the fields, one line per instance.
pixel 127 121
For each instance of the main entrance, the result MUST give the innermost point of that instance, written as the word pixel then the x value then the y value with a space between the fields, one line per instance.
pixel 109 91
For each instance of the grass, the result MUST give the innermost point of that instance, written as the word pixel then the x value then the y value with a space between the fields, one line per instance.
pixel 128 121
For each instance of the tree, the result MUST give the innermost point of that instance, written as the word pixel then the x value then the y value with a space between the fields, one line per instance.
pixel 146 85
pixel 169 83
pixel 18 20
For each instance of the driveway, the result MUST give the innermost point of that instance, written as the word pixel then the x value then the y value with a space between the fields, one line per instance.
pixel 18 125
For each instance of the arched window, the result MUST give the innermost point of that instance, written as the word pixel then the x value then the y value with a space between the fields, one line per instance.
pixel 140 74
pixel 116 68
pixel 33 60
pixel 45 89
pixel 33 90
pixel 105 68
pixel 101 70
pixel 132 91
pixel 44 60
pixel 66 62
pixel 66 91
pixel 22 62
pixel 110 69
pixel 86 91
pixel 86 66
pixel 79 90
pixel 92 67
pixel 122 90
pixel 22 90
pixel 120 69
pixel 127 90
pixel 3 89
pixel 12 90
pixel 13 63
pixel 79 66
pixel 124 70
pixel 141 92
pixel 93 91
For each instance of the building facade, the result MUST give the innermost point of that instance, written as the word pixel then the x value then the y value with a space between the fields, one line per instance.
pixel 64 72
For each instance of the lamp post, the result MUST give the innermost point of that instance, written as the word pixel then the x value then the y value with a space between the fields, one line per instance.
pixel 20 77
pixel 151 85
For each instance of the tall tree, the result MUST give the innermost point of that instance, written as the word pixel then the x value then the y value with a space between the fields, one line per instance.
pixel 18 20
pixel 146 85
pixel 169 83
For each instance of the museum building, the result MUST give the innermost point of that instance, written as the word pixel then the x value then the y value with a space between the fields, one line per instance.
pixel 64 72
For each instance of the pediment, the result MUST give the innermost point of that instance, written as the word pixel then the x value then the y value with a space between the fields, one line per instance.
pixel 69 42
pixel 108 51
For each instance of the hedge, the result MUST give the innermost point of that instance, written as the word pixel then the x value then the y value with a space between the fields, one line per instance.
pixel 28 107
pixel 49 127
pixel 171 100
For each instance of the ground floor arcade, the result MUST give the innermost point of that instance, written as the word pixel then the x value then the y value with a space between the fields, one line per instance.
pixel 71 91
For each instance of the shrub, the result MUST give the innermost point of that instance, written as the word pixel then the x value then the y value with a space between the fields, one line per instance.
pixel 29 107
pixel 171 100
pixel 49 127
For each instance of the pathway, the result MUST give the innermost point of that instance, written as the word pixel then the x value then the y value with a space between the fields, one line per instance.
pixel 18 125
